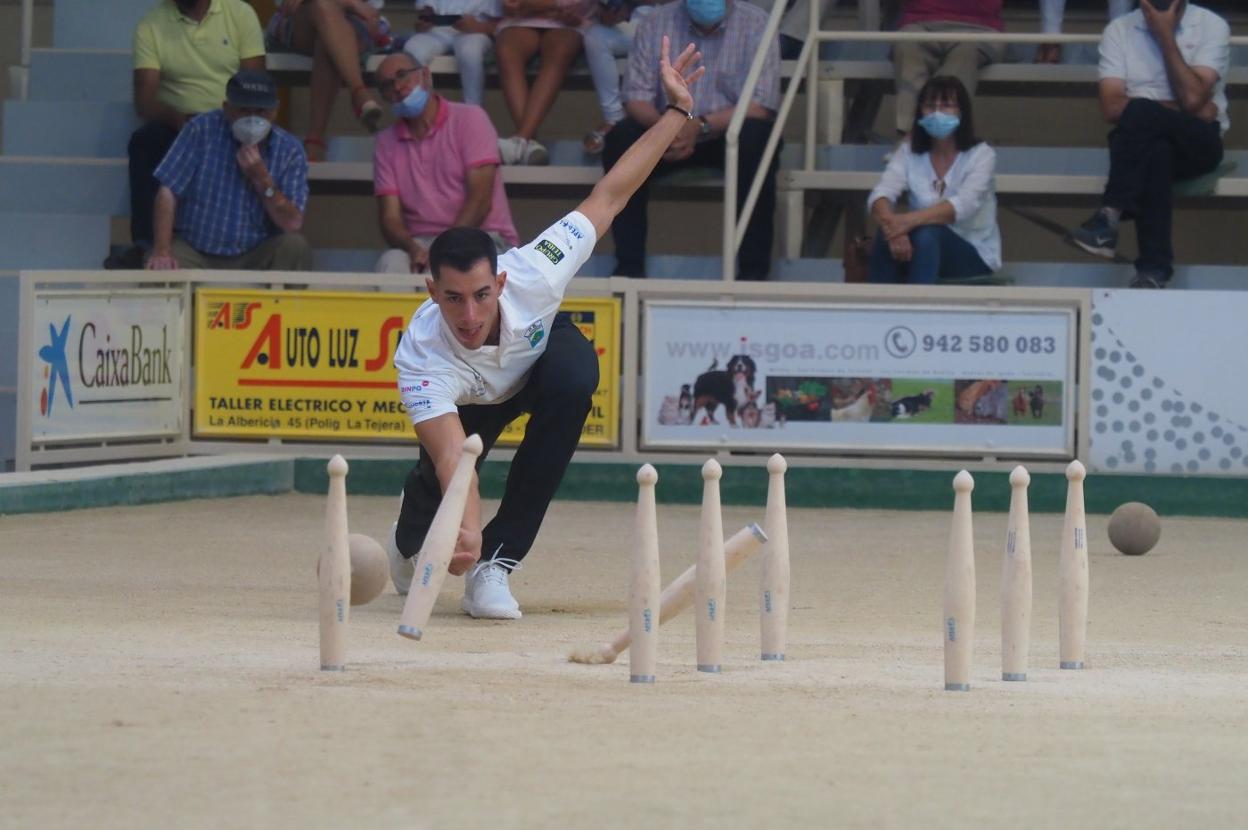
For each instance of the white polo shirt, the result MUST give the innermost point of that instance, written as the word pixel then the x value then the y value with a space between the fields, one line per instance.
pixel 1129 52
pixel 438 374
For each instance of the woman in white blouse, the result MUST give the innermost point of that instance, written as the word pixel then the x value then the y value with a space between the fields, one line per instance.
pixel 950 229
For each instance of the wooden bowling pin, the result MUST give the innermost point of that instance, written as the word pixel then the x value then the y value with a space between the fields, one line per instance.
pixel 676 597
pixel 1016 582
pixel 644 590
pixel 773 598
pixel 959 621
pixel 711 579
pixel 439 545
pixel 1072 573
pixel 334 571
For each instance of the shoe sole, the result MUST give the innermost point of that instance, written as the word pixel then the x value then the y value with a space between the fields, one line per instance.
pixel 538 158
pixel 392 556
pixel 488 613
pixel 1103 253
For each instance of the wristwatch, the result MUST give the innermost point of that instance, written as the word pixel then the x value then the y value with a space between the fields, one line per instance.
pixel 704 129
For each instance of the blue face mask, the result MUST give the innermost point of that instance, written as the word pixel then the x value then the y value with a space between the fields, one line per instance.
pixel 706 13
pixel 413 105
pixel 939 124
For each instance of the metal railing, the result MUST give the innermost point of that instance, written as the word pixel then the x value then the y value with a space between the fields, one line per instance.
pixel 808 62
pixel 28 37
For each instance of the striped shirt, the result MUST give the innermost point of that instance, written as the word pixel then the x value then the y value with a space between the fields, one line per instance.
pixel 727 54
pixel 219 212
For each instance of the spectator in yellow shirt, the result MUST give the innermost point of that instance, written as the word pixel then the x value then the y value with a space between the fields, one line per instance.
pixel 185 51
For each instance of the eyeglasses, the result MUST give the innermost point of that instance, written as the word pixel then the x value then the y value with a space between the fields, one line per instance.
pixel 387 86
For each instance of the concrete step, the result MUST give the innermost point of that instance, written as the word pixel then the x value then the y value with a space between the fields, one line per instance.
pixel 91 129
pixel 51 185
pixel 47 240
pixel 81 74
pixel 80 24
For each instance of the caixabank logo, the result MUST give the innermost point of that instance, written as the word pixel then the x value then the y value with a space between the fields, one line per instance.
pixel 104 360
pixel 56 370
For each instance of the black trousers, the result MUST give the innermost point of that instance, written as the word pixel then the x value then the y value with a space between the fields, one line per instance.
pixel 1150 148
pixel 557 395
pixel 630 227
pixel 147 148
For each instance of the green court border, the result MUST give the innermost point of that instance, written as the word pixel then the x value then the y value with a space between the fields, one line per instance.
pixel 877 489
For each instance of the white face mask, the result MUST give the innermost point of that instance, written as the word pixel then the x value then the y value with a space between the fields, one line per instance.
pixel 250 129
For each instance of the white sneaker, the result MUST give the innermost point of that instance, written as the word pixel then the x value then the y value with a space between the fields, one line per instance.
pixel 487 595
pixel 401 570
pixel 535 153
pixel 512 150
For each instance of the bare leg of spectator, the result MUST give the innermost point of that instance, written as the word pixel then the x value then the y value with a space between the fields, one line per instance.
pixel 513 48
pixel 322 30
pixel 559 47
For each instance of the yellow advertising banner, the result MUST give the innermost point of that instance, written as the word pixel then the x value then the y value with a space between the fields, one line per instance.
pixel 317 365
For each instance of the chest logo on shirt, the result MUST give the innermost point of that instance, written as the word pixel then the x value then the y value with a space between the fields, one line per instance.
pixel 548 249
pixel 535 332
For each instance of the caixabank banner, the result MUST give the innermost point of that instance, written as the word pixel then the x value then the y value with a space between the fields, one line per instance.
pixel 105 363
pixel 318 365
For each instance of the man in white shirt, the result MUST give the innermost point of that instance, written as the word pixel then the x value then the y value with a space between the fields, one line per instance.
pixel 1163 87
pixel 489 345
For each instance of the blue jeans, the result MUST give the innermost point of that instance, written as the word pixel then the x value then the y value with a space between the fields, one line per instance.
pixel 939 253
pixel 469 48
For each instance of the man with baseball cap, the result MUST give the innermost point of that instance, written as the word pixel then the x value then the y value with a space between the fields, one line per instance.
pixel 233 188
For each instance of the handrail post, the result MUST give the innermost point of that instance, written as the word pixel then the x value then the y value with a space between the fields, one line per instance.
pixel 732 139
pixel 28 37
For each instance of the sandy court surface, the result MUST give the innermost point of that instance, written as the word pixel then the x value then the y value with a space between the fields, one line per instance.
pixel 158 668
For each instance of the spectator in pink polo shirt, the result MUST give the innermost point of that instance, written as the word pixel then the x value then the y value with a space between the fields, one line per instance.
pixel 435 168
pixel 914 64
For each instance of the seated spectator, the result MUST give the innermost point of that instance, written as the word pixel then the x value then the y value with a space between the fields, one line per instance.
pixel 339 35
pixel 233 188
pixel 553 30
pixel 795 23
pixel 1165 96
pixel 915 63
pixel 950 230
pixel 1051 14
pixel 465 27
pixel 608 38
pixel 184 54
pixel 435 168
pixel 728 33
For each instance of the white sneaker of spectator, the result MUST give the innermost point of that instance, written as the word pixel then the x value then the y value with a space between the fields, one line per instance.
pixel 535 153
pixel 512 150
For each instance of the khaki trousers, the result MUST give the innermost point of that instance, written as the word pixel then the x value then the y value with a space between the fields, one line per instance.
pixel 915 63
pixel 284 252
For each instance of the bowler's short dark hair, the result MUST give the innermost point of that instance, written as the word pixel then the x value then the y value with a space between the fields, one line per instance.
pixel 943 88
pixel 462 248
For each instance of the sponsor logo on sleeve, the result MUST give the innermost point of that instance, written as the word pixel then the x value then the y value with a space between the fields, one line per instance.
pixel 549 250
pixel 534 333
pixel 573 230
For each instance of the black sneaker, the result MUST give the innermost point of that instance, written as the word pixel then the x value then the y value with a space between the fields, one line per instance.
pixel 126 259
pixel 1096 236
pixel 1149 279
